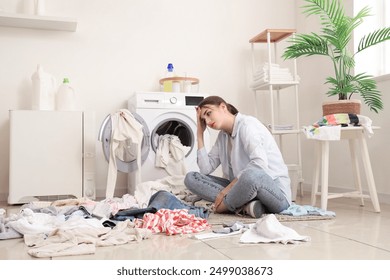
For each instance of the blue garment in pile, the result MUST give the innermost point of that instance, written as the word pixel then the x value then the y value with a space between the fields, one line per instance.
pixel 305 210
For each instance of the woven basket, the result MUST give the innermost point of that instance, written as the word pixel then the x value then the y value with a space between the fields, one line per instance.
pixel 341 107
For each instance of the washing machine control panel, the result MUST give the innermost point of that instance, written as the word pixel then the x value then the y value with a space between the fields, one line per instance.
pixel 192 100
pixel 164 100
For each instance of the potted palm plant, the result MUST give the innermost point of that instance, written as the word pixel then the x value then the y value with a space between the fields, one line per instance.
pixel 334 41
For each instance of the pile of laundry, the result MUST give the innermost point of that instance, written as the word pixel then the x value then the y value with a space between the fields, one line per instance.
pixel 329 126
pixel 77 226
pixel 170 154
pixel 268 228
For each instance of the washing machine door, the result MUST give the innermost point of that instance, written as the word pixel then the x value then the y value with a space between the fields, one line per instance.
pixel 179 123
pixel 176 125
pixel 130 163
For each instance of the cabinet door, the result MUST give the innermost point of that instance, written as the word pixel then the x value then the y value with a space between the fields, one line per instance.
pixel 45 154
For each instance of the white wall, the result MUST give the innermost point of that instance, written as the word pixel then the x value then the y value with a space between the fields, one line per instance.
pixel 123 46
pixel 313 71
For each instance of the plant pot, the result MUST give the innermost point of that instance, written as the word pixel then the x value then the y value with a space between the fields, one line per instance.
pixel 351 106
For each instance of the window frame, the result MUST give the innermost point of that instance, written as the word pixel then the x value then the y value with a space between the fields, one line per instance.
pixel 376 60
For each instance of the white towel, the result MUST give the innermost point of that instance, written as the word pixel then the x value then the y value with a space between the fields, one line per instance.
pixel 269 230
pixel 213 235
pixel 126 131
pixel 274 74
pixel 366 123
pixel 170 154
pixel 323 132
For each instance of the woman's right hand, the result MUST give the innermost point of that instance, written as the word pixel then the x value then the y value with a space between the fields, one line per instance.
pixel 201 127
pixel 201 123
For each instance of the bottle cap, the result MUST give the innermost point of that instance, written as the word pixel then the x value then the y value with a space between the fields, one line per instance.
pixel 170 67
pixel 66 81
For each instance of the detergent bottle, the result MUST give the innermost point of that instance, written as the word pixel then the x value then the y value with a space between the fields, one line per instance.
pixel 67 98
pixel 168 85
pixel 44 89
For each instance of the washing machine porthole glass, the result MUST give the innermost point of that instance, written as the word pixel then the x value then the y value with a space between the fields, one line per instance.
pixel 176 127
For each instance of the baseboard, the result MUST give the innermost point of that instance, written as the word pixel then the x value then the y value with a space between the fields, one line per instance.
pixel 100 194
pixel 3 197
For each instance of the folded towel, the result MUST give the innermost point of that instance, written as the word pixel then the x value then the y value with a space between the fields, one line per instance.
pixel 269 230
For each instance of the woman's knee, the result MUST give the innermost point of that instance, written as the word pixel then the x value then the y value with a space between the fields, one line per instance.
pixel 189 180
pixel 253 176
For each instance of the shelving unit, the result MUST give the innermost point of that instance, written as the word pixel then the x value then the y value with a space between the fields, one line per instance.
pixel 272 80
pixel 38 22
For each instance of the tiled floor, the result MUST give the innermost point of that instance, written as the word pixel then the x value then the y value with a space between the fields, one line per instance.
pixel 356 233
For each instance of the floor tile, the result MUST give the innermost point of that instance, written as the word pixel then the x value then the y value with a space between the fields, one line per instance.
pixel 159 247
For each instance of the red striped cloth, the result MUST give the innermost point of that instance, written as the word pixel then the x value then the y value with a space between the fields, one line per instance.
pixel 172 222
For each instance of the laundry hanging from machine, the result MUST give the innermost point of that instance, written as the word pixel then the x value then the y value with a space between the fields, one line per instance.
pixel 126 141
pixel 170 154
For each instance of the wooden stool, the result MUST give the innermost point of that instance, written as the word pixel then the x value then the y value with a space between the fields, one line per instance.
pixel 357 139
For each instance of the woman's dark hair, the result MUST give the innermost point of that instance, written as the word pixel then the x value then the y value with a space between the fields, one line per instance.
pixel 216 100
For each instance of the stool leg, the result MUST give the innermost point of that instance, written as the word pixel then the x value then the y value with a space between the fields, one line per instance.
pixel 300 183
pixel 369 175
pixel 355 168
pixel 324 173
pixel 316 173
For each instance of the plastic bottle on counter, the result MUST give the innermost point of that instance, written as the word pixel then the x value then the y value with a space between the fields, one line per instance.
pixel 44 90
pixel 167 84
pixel 171 85
pixel 175 86
pixel 67 98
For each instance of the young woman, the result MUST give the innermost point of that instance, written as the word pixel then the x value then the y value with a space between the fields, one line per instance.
pixel 255 178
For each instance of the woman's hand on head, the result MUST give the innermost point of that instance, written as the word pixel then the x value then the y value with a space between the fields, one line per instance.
pixel 201 123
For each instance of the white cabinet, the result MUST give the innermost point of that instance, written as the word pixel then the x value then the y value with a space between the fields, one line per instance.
pixel 38 22
pixel 276 91
pixel 46 156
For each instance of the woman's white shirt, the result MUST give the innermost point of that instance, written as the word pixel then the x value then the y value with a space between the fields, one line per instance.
pixel 252 146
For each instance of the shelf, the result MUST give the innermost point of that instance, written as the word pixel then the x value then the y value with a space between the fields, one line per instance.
pixel 293 167
pixel 270 79
pixel 38 22
pixel 285 131
pixel 275 34
pixel 194 81
pixel 275 85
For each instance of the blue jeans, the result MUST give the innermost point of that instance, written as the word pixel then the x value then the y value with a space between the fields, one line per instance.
pixel 167 200
pixel 160 200
pixel 253 184
pixel 132 213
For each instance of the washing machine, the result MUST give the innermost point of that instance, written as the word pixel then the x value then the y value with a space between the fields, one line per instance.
pixel 159 113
